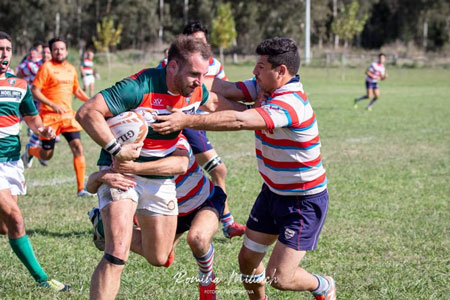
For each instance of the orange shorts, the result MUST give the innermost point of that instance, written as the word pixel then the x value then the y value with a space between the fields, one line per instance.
pixel 60 122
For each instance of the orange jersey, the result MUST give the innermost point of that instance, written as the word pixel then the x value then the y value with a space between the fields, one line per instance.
pixel 58 82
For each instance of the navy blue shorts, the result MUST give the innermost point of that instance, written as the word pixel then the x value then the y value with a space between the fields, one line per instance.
pixel 198 140
pixel 371 85
pixel 216 201
pixel 297 220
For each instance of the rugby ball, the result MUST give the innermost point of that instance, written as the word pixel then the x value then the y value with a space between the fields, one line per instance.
pixel 147 113
pixel 128 127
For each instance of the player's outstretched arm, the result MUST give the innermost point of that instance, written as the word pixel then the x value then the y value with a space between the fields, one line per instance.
pixel 111 178
pixel 217 102
pixel 175 164
pixel 227 120
pixel 227 89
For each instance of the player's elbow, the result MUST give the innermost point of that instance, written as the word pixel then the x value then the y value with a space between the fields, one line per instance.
pixel 182 166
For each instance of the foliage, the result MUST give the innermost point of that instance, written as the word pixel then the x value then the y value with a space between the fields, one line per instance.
pixel 348 25
pixel 223 28
pixel 107 35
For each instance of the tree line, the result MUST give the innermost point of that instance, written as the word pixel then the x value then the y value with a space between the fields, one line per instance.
pixel 334 23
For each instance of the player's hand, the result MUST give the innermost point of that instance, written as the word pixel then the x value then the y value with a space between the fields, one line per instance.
pixel 47 132
pixel 166 124
pixel 121 166
pixel 59 109
pixel 261 98
pixel 118 181
pixel 129 151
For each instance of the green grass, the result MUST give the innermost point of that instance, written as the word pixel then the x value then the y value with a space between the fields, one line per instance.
pixel 387 234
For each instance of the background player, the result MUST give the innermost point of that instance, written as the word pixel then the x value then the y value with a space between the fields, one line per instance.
pixel 54 85
pixel 88 73
pixel 12 181
pixel 376 71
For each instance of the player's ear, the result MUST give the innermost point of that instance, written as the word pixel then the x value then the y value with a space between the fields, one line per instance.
pixel 173 66
pixel 282 70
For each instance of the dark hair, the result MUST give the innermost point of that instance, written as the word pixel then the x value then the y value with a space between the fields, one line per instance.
pixel 54 40
pixel 381 54
pixel 38 43
pixel 5 36
pixel 280 51
pixel 185 45
pixel 195 26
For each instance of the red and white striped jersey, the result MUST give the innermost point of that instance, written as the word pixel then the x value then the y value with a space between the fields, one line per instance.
pixel 193 187
pixel 288 151
pixel 378 70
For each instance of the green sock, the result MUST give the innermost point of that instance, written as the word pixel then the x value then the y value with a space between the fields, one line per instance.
pixel 24 251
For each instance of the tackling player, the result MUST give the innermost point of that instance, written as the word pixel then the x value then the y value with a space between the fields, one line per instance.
pixel 376 71
pixel 54 85
pixel 15 102
pixel 292 205
pixel 200 204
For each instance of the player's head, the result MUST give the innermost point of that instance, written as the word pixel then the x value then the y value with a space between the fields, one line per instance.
pixel 90 54
pixel 197 30
pixel 381 58
pixel 166 52
pixel 5 51
pixel 35 54
pixel 187 64
pixel 58 48
pixel 278 61
pixel 39 45
pixel 46 53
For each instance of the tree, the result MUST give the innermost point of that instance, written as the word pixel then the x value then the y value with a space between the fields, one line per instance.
pixel 223 29
pixel 108 36
pixel 347 24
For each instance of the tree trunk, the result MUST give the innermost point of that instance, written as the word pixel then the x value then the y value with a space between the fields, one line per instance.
pixel 161 20
pixel 221 55
pixel 336 37
pixel 425 35
pixel 108 59
pixel 186 11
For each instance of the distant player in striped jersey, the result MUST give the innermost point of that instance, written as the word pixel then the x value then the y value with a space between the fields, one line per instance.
pixel 293 202
pixel 200 205
pixel 204 152
pixel 375 72
pixel 16 102
pixel 87 72
pixel 153 198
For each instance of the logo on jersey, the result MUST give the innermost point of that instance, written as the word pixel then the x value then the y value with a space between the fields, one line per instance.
pixel 289 233
pixel 171 205
pixel 253 218
pixel 157 101
pixel 187 100
pixel 11 82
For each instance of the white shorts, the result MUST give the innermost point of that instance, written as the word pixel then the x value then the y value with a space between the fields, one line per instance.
pixel 88 80
pixel 154 197
pixel 11 177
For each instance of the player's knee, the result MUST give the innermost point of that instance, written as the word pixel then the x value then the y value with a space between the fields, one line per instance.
pixel 198 240
pixel 46 154
pixel 278 279
pixel 158 259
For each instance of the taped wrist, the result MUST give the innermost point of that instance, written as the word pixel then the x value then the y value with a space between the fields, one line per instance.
pixel 212 163
pixel 113 147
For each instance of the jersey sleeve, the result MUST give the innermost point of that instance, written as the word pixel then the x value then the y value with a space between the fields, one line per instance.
pixel 205 95
pixel 249 88
pixel 279 114
pixel 123 96
pixel 27 107
pixel 41 77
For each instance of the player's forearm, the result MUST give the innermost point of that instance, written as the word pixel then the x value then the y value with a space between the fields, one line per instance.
pixel 95 125
pixel 94 181
pixel 220 121
pixel 227 89
pixel 217 102
pixel 169 166
pixel 34 122
pixel 80 94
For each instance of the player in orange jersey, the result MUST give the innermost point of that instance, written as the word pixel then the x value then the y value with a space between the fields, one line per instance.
pixel 53 86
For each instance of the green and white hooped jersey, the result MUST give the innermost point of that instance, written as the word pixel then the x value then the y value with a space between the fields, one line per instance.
pixel 148 89
pixel 15 101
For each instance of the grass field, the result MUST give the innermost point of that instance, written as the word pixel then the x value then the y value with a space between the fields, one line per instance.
pixel 387 234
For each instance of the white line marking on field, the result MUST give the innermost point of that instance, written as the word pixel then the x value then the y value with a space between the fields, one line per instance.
pixel 360 140
pixel 50 181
